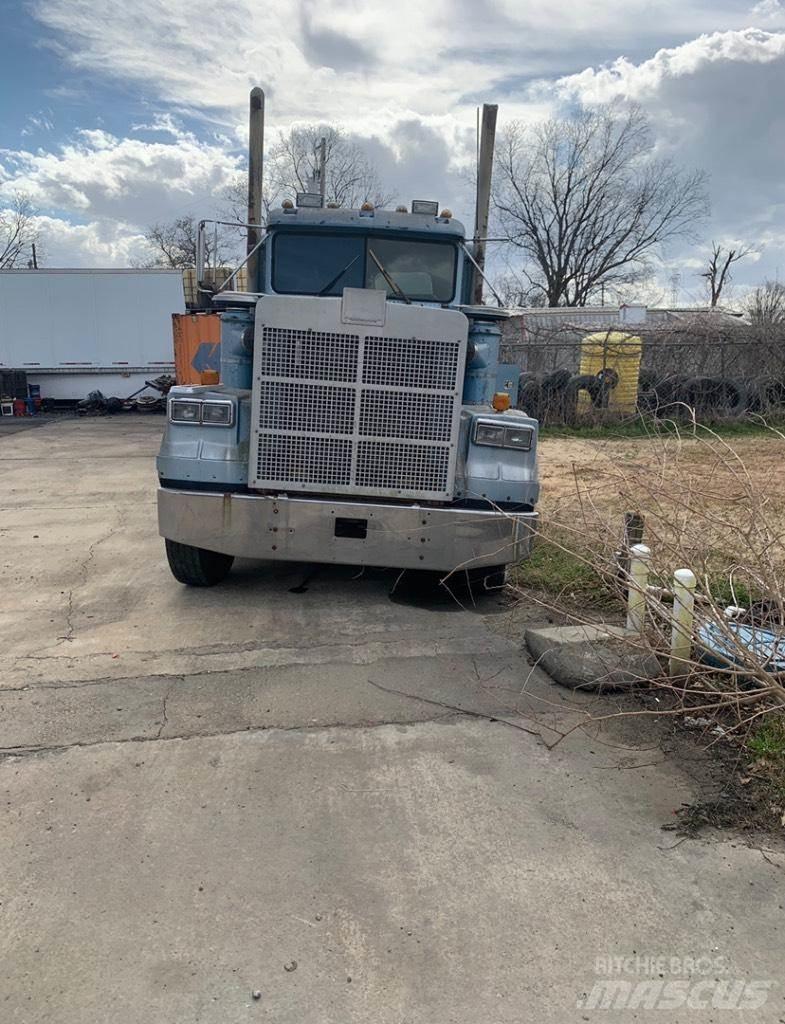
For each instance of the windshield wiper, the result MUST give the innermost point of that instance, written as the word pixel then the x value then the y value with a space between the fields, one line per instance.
pixel 338 276
pixel 395 287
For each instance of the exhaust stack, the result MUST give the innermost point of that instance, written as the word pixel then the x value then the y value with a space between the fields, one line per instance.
pixel 255 178
pixel 484 172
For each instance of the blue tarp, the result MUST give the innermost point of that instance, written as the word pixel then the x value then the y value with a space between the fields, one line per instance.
pixel 727 644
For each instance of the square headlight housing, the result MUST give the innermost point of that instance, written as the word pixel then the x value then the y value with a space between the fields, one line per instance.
pixel 502 435
pixel 518 437
pixel 489 434
pixel 182 410
pixel 217 414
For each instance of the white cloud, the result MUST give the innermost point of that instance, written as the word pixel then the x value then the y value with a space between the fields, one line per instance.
pixel 359 62
pixel 40 122
pixel 767 10
pixel 404 81
pixel 99 243
pixel 99 175
pixel 639 81
pixel 715 103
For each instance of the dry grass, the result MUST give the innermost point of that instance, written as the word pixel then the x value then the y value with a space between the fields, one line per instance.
pixel 712 505
pixel 698 491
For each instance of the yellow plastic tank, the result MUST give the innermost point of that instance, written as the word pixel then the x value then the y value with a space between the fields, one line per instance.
pixel 617 352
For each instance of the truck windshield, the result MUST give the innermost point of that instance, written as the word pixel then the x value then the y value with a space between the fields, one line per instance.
pixel 324 264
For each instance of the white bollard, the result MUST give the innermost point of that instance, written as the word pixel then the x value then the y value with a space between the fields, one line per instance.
pixel 640 556
pixel 683 614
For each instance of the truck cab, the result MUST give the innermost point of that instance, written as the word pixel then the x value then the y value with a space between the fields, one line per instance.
pixel 362 415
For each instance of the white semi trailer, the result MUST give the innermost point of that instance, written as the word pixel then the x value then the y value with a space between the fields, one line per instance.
pixel 76 331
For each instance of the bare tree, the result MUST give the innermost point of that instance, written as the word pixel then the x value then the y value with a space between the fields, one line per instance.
pixel 766 304
pixel 173 244
pixel 18 232
pixel 515 290
pixel 292 165
pixel 718 271
pixel 350 179
pixel 587 203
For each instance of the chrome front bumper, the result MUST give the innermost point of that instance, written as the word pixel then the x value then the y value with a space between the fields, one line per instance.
pixel 343 532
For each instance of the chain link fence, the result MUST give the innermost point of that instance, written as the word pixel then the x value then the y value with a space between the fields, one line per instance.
pixel 712 368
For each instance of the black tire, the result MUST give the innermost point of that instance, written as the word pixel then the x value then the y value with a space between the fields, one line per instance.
pixel 529 399
pixel 196 567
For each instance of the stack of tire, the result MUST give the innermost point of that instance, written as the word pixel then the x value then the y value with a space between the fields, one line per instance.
pixel 552 398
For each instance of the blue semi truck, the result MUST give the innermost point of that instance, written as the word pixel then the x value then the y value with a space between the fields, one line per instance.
pixel 362 415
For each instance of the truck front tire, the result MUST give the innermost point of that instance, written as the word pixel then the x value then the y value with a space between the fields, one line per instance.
pixel 196 567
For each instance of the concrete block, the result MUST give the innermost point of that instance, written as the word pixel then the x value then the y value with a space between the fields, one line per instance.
pixel 596 658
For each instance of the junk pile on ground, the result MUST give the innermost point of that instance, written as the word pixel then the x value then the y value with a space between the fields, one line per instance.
pixel 97 404
pixel 749 637
pixel 563 397
pixel 17 396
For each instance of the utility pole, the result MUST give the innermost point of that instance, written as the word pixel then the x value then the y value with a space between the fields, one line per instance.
pixel 255 178
pixel 35 258
pixel 482 208
pixel 322 167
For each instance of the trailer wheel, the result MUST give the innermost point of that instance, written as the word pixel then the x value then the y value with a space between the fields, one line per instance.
pixel 196 567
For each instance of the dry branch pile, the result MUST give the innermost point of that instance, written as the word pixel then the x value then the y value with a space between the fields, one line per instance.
pixel 710 508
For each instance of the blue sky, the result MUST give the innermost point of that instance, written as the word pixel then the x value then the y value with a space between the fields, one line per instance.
pixel 118 113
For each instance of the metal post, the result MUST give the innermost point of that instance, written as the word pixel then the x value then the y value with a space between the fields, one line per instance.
pixel 633 534
pixel 322 167
pixel 640 556
pixel 255 177
pixel 683 614
pixel 633 528
pixel 484 173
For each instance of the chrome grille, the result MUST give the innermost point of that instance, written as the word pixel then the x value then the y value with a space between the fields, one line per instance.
pixel 305 460
pixel 426 417
pixel 309 355
pixel 409 467
pixel 410 362
pixel 313 408
pixel 339 412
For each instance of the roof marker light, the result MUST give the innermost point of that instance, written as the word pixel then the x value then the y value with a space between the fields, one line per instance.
pixel 310 200
pixel 425 206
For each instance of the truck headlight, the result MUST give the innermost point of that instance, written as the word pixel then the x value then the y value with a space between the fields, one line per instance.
pixel 489 433
pixel 218 414
pixel 499 435
pixel 184 412
pixel 518 437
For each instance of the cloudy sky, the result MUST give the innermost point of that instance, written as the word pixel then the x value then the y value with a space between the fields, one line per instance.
pixel 118 113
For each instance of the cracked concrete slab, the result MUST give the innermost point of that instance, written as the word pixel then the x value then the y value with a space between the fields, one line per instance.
pixel 285 697
pixel 200 788
pixel 419 873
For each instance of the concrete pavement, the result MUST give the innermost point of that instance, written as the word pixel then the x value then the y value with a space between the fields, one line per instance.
pixel 201 789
